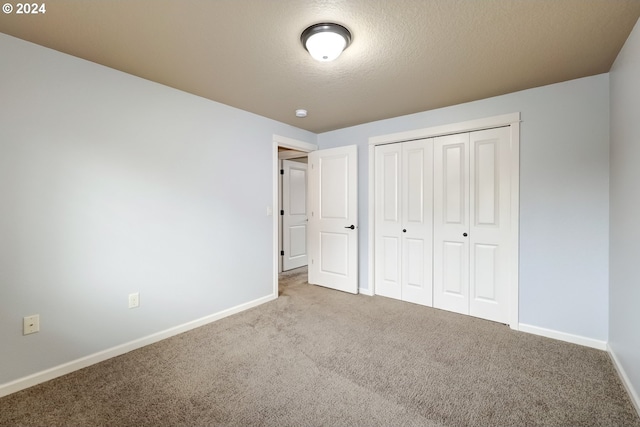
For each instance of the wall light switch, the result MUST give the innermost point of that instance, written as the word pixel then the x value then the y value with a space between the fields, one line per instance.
pixel 31 324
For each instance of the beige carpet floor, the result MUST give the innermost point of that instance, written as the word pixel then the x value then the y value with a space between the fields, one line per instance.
pixel 318 357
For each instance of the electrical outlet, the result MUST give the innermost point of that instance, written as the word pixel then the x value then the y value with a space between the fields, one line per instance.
pixel 31 324
pixel 134 300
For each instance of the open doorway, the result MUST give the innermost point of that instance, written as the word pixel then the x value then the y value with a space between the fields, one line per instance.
pixel 294 151
pixel 332 200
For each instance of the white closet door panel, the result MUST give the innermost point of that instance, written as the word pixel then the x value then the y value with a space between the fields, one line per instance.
pixel 486 183
pixel 451 223
pixel 417 221
pixel 388 221
pixel 388 269
pixel 416 285
pixel 490 224
pixel 390 186
pixel 414 179
pixel 454 179
pixel 485 274
pixel 454 278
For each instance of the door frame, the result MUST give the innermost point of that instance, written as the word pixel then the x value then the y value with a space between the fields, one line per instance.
pixel 292 144
pixel 513 121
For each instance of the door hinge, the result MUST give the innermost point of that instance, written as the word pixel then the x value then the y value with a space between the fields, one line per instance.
pixel 281 212
pixel 281 171
pixel 282 253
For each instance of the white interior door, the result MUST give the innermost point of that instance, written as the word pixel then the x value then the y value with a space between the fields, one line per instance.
pixel 417 221
pixel 388 226
pixel 451 223
pixel 333 218
pixel 490 224
pixel 294 215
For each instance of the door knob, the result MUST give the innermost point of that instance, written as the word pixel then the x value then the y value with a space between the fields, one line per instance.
pixel 404 230
pixel 464 234
pixel 351 226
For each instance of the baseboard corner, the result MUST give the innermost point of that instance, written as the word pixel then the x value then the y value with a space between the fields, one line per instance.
pixel 624 379
pixel 563 336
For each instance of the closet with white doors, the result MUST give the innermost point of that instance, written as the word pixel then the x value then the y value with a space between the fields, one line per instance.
pixel 443 223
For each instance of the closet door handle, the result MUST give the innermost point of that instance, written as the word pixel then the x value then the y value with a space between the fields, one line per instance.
pixel 404 230
pixel 464 234
pixel 351 227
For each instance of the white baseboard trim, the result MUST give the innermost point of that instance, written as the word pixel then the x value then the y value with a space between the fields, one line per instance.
pixel 83 362
pixel 364 291
pixel 563 336
pixel 633 394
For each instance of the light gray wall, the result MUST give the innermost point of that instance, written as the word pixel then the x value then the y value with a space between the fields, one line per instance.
pixel 564 191
pixel 111 184
pixel 624 286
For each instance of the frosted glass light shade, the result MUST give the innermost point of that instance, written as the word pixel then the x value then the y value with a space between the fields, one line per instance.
pixel 326 46
pixel 325 42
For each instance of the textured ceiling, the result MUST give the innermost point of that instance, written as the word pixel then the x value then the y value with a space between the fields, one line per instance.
pixel 407 55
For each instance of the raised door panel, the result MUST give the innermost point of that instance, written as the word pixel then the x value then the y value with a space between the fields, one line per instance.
pixel 490 224
pixel 390 262
pixel 298 188
pixel 387 221
pixel 417 221
pixel 333 173
pixel 451 223
pixel 298 243
pixel 415 282
pixel 333 261
pixel 453 259
pixel 390 186
pixel 454 179
pixel 485 273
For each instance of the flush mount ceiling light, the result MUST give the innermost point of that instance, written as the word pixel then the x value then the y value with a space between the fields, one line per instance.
pixel 326 41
